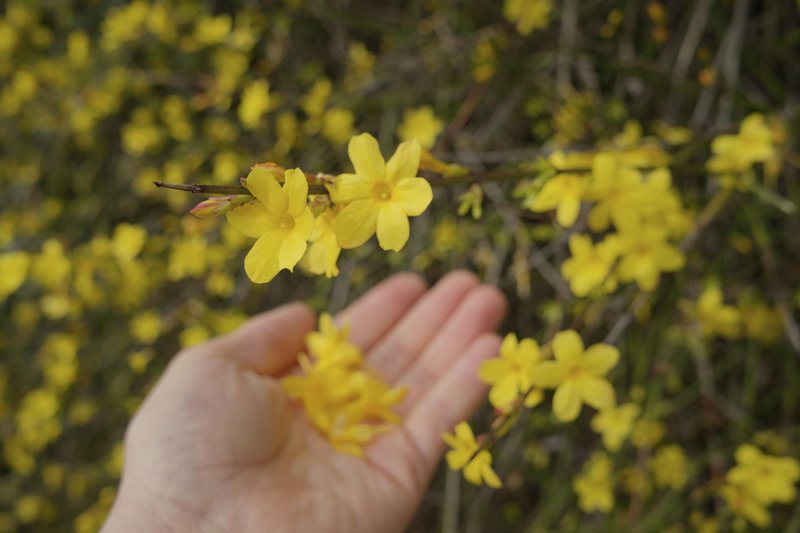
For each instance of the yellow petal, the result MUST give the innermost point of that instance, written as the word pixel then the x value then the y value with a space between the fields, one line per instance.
pixel 405 161
pixel 568 210
pixel 549 374
pixel 392 227
pixel 350 187
pixel 261 263
pixel 604 167
pixel 504 392
pixel 304 224
pixel 567 402
pixel 413 195
pixel 296 190
pixel 355 223
pixel 366 156
pixel 597 392
pixel 262 183
pixel 252 219
pixel 493 370
pixel 293 247
pixel 567 346
pixel 600 358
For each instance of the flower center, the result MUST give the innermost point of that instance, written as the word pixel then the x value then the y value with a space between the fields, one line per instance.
pixel 286 222
pixel 381 191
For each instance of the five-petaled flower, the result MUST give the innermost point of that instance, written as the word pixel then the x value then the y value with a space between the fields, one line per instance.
pixel 577 375
pixel 279 217
pixel 465 454
pixel 380 196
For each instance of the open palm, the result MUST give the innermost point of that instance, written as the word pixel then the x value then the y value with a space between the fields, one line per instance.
pixel 217 446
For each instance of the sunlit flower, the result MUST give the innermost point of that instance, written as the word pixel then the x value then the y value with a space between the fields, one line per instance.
pixel 323 252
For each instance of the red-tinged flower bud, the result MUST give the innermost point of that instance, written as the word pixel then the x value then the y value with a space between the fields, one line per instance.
pixel 219 205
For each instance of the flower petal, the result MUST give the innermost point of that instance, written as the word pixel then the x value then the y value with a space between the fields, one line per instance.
pixel 304 224
pixel 252 219
pixel 262 183
pixel 355 223
pixel 549 374
pixel 567 346
pixel 261 263
pixel 350 187
pixel 404 163
pixel 413 195
pixel 295 187
pixel 567 402
pixel 568 210
pixel 366 156
pixel 600 358
pixel 392 227
pixel 597 392
pixel 292 249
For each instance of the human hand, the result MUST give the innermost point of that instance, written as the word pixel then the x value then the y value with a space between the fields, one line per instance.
pixel 217 446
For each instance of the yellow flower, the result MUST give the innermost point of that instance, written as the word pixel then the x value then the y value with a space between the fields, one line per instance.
pixel 742 500
pixel 737 153
pixel 647 433
pixel 645 254
pixel 714 316
pixel 577 375
pixel 420 124
pixel 670 467
pixel 617 189
pixel 255 102
pixel 337 125
pixel 145 327
pixel 380 196
pixel 595 484
pixel 279 217
pixel 563 193
pixel 14 266
pixel 477 466
pixel 528 15
pixel 615 424
pixel 590 265
pixel 331 344
pixel 324 249
pixel 510 374
pixel 771 479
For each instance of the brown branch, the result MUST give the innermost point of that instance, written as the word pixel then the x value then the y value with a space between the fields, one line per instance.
pixel 196 188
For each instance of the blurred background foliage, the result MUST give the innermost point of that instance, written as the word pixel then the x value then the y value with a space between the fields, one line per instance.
pixel 103 277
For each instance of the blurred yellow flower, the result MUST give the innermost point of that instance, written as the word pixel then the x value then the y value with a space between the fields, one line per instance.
pixel 528 15
pixel 615 424
pixel 280 219
pixel 595 484
pixel 380 196
pixel 562 192
pixel 771 479
pixel 714 317
pixel 577 375
pixel 14 266
pixel 589 267
pixel 511 374
pixel 477 465
pixel 337 125
pixel 670 467
pixel 737 153
pixel 645 253
pixel 420 124
pixel 255 102
pixel 145 327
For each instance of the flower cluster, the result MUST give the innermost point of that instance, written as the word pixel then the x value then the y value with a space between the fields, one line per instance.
pixel 341 396
pixel 377 199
